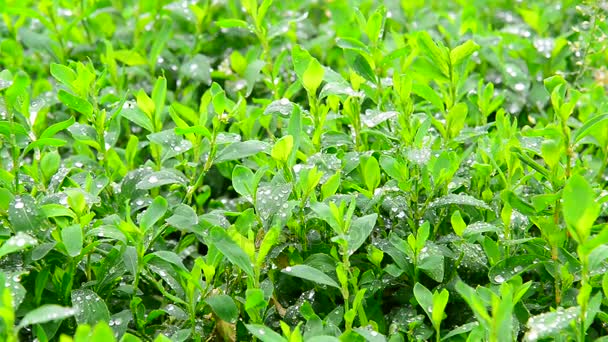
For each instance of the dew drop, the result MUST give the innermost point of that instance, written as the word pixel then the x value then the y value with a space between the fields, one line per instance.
pixel 153 179
pixel 499 279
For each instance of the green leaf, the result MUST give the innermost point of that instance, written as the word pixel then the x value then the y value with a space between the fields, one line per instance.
pixel 371 174
pixel 145 103
pixel 313 76
pixel 517 203
pixel 42 250
pixel 271 200
pixel 75 103
pixel 457 117
pixel 270 239
pixel 369 335
pixel 551 83
pixel 361 66
pixel 224 307
pixel 475 302
pixel 433 266
pixel 509 267
pixel 352 44
pixel 458 199
pixel 231 23
pixel 587 127
pixel 169 257
pixel 436 53
pixel 465 328
pixel 531 162
pixel 63 74
pixel 231 250
pixel 310 273
pixel 255 300
pixel 375 24
pixel 424 297
pixel 579 207
pixel 171 143
pixel 44 143
pixel 460 53
pixel 16 243
pixel 551 152
pixel 90 308
pixel 440 301
pixel 40 42
pixel 359 231
pixel 282 106
pixel 183 218
pixel 282 149
pixel 72 239
pixel 458 223
pixel 301 60
pixel 24 214
pixel 427 93
pixel 264 333
pixel 154 213
pixel 45 313
pixel 130 259
pixel 197 69
pixel 129 57
pixel 550 324
pixel 50 131
pixel 160 178
pixel 103 333
pixel 138 117
pixel 159 95
pixel 330 187
pixel 243 182
pixel 239 150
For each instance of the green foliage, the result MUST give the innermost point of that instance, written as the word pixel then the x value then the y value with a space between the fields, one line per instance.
pixel 303 171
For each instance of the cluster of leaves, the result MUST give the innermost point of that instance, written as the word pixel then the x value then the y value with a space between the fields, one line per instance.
pixel 303 170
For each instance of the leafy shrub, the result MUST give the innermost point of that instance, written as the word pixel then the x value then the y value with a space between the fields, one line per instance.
pixel 303 171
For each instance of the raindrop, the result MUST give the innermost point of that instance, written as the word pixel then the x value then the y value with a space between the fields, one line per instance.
pixel 153 179
pixel 19 205
pixel 520 87
pixel 499 279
